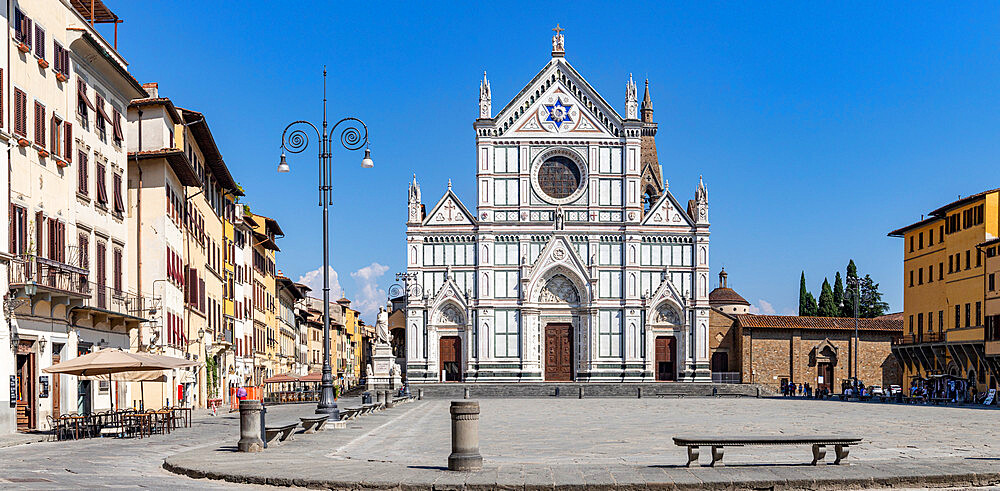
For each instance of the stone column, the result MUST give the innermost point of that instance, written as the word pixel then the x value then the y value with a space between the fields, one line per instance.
pixel 465 437
pixel 250 426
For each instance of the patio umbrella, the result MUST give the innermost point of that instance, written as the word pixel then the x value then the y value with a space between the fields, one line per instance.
pixel 114 361
pixel 109 361
pixel 282 378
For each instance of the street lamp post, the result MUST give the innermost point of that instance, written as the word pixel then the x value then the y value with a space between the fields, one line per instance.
pixel 856 284
pixel 296 141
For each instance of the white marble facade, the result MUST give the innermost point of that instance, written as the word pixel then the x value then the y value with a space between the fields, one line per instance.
pixel 574 227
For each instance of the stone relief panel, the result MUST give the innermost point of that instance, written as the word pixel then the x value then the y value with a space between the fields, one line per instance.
pixel 666 314
pixel 450 314
pixel 559 289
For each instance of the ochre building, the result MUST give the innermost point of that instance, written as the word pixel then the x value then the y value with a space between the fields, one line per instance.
pixel 944 290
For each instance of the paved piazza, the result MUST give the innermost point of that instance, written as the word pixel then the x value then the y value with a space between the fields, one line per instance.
pixel 544 443
pixel 625 443
pixel 639 431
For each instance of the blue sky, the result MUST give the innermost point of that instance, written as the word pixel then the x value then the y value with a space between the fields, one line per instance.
pixel 818 128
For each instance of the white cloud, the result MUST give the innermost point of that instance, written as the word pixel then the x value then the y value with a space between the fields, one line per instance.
pixel 370 297
pixel 762 307
pixel 314 279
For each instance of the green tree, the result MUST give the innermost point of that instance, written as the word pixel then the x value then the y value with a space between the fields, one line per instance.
pixel 838 291
pixel 804 295
pixel 871 299
pixel 811 306
pixel 852 275
pixel 827 307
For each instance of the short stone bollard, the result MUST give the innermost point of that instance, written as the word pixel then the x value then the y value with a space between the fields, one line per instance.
pixel 250 426
pixel 379 397
pixel 420 394
pixel 387 397
pixel 581 392
pixel 465 437
pixel 466 392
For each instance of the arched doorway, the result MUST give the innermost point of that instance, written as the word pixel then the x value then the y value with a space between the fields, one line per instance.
pixel 559 291
pixel 450 322
pixel 665 347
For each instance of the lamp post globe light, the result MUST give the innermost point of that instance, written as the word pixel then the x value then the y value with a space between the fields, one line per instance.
pixel 295 139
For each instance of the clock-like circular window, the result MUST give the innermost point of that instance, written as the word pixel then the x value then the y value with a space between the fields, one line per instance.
pixel 559 177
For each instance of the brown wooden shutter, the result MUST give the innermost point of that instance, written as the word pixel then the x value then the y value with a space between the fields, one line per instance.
pixel 54 142
pixel 39 124
pixel 117 126
pixel 61 245
pixel 39 225
pixel 68 141
pixel 1 98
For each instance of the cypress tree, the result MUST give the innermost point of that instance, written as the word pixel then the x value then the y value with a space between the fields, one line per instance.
pixel 838 291
pixel 848 309
pixel 803 304
pixel 811 306
pixel 826 306
pixel 871 299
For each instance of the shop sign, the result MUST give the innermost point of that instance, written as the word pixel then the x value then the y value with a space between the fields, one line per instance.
pixel 43 382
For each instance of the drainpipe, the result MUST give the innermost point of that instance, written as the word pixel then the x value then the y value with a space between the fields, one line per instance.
pixel 138 227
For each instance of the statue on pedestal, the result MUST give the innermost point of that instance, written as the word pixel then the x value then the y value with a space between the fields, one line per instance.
pixel 382 327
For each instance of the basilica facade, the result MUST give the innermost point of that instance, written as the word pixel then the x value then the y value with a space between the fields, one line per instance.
pixel 577 263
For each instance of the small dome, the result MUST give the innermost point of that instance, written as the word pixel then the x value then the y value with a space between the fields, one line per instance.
pixel 725 296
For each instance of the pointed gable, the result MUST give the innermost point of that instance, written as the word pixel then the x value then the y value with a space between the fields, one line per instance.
pixel 558 257
pixel 449 211
pixel 559 101
pixel 667 211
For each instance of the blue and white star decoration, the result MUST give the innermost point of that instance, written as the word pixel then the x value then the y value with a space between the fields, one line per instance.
pixel 558 113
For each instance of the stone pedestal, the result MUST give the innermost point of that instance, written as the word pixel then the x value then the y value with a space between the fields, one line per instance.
pixel 382 377
pixel 250 430
pixel 465 437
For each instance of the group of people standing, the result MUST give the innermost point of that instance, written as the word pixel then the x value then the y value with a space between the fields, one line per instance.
pixel 791 389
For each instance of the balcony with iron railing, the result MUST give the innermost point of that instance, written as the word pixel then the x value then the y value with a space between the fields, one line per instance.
pixel 112 301
pixel 919 338
pixel 39 274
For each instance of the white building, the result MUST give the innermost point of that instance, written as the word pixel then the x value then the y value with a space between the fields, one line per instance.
pixel 578 263
pixel 65 93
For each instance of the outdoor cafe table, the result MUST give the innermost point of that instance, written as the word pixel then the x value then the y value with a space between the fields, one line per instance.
pixel 75 420
pixel 144 422
pixel 186 414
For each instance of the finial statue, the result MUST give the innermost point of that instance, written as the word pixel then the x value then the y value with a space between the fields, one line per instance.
pixel 631 99
pixel 558 42
pixel 485 105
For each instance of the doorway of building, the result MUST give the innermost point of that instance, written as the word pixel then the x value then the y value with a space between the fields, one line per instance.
pixel 56 394
pixel 451 359
pixel 25 390
pixel 824 376
pixel 559 352
pixel 665 355
pixel 720 362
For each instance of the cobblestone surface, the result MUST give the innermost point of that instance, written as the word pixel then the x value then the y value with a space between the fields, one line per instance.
pixel 626 443
pixel 101 463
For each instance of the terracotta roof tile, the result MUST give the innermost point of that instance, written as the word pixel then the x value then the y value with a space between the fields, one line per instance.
pixel 804 322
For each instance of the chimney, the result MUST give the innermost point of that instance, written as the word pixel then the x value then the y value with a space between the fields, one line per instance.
pixel 152 88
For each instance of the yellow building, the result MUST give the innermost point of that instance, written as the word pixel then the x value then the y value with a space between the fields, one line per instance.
pixel 991 249
pixel 265 338
pixel 944 294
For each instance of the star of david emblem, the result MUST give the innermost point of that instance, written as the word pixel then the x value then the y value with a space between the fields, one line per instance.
pixel 558 113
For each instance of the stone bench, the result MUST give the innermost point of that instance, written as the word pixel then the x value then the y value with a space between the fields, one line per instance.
pixel 671 394
pixel 350 413
pixel 281 433
pixel 312 425
pixel 841 445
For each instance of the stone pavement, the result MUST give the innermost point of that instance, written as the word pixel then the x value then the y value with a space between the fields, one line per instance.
pixel 546 443
pixel 117 463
